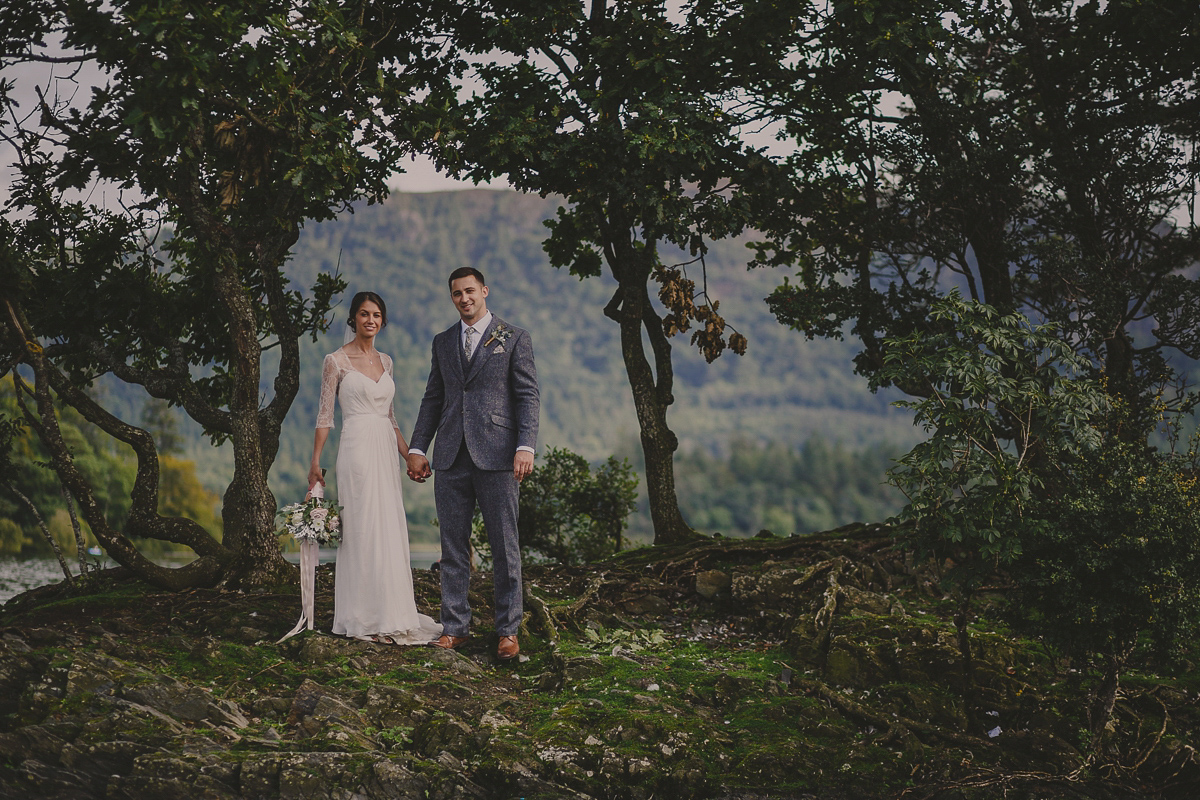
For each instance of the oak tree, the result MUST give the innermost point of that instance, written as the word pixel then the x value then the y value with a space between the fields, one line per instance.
pixel 634 116
pixel 152 213
pixel 1038 155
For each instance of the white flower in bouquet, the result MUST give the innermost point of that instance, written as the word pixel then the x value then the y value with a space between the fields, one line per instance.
pixel 315 520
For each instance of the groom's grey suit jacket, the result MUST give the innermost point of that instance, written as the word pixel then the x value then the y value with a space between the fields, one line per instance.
pixel 490 404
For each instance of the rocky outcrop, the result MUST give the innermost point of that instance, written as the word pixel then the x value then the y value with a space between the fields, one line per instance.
pixel 811 667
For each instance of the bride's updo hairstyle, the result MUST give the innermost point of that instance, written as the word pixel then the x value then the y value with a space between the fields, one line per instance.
pixel 363 297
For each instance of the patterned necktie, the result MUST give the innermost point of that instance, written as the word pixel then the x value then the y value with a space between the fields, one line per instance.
pixel 467 344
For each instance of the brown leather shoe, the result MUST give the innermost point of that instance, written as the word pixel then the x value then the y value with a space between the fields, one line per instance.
pixel 448 642
pixel 507 649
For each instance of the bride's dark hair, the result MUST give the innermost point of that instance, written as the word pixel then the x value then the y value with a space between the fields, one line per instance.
pixel 361 298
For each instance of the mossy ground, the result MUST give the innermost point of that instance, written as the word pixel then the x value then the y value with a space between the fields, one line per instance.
pixel 824 668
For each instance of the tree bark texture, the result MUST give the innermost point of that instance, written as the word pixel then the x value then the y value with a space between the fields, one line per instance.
pixel 631 308
pixel 1104 699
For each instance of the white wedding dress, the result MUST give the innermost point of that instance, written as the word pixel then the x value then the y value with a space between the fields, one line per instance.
pixel 373 589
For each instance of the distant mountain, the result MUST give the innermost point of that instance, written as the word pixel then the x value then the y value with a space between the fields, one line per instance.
pixel 783 391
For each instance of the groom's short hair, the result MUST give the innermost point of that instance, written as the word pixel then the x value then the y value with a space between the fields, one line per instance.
pixel 466 272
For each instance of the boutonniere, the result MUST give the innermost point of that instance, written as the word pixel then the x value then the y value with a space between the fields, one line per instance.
pixel 500 334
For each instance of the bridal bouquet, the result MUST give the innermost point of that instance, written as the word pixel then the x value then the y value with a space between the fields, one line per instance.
pixel 315 520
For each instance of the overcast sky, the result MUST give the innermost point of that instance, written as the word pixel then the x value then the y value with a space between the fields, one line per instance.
pixel 419 174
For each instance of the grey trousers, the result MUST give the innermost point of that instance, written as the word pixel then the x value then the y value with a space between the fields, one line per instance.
pixel 456 491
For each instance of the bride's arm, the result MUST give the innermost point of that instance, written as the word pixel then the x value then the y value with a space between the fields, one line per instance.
pixel 315 475
pixel 329 385
pixel 401 445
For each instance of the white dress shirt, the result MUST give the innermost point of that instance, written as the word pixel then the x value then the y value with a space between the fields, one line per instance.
pixel 480 326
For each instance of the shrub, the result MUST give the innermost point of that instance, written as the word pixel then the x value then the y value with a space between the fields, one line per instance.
pixel 568 513
pixel 1002 401
pixel 1110 564
pixel 1030 470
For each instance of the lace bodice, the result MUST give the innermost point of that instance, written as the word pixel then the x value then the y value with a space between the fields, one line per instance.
pixel 336 367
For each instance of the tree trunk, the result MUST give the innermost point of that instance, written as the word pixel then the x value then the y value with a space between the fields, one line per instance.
pixel 144 519
pixel 33 509
pixel 631 308
pixel 1104 699
pixel 248 510
pixel 80 546
pixel 962 616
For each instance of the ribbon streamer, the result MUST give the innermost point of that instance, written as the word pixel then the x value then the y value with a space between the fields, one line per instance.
pixel 308 576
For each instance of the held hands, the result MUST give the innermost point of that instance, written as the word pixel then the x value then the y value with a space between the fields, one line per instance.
pixel 419 471
pixel 418 467
pixel 522 465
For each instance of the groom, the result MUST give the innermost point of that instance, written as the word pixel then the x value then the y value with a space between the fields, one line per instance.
pixel 482 403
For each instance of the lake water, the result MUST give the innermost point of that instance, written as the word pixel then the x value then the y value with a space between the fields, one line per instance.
pixel 22 574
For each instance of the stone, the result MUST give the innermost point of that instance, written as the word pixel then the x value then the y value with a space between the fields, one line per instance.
pixel 648 604
pixel 185 702
pixel 43 742
pixel 443 732
pixel 15 644
pixel 269 706
pixel 49 781
pixel 318 713
pixel 117 648
pixel 45 636
pixel 712 582
pixel 391 780
pixel 456 661
pixel 311 775
pixel 259 776
pixel 148 787
pixel 390 706
pixel 129 716
pixel 251 635
pixel 92 672
pixel 583 668
pixel 103 758
pixel 305 700
pixel 323 649
pixel 494 720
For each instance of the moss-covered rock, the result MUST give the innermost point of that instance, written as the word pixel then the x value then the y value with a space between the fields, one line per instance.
pixel 816 667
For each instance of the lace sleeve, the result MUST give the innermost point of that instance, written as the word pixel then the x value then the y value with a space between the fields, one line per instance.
pixel 329 387
pixel 387 364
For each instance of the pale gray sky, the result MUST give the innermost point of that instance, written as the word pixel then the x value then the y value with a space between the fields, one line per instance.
pixel 421 176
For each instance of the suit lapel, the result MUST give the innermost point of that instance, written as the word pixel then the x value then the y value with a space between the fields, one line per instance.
pixel 452 351
pixel 482 353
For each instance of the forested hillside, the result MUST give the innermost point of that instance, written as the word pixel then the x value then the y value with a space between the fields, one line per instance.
pixel 781 393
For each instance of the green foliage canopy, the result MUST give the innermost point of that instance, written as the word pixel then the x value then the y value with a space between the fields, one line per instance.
pixel 219 130
pixel 1038 155
pixel 629 113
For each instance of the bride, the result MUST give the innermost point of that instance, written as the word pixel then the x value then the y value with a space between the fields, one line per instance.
pixel 373 589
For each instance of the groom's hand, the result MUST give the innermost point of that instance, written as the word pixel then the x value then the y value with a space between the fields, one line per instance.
pixel 418 467
pixel 522 465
